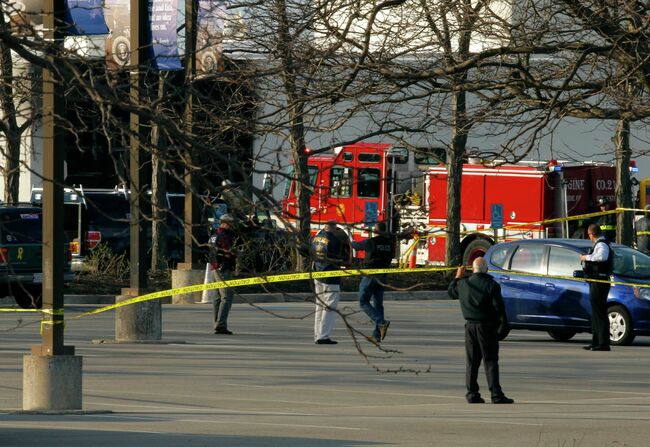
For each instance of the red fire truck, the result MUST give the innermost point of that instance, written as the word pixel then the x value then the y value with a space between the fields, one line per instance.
pixel 362 183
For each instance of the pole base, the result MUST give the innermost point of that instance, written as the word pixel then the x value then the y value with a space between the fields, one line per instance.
pixel 52 382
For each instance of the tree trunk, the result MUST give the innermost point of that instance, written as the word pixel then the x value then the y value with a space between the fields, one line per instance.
pixel 624 231
pixel 301 181
pixel 459 131
pixel 158 192
pixel 11 168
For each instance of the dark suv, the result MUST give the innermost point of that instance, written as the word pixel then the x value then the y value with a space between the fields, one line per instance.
pixel 21 240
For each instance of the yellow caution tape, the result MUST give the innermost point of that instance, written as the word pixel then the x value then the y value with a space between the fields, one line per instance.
pixel 258 280
pixel 316 275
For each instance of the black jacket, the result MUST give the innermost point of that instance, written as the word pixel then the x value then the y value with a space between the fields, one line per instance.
pixel 379 251
pixel 480 298
pixel 643 234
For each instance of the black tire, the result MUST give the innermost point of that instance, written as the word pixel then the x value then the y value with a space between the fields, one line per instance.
pixel 621 331
pixel 28 297
pixel 503 331
pixel 562 335
pixel 477 248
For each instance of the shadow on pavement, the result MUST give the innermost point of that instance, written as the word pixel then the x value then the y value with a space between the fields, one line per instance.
pixel 14 437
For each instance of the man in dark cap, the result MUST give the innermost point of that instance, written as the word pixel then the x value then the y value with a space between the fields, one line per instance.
pixel 607 222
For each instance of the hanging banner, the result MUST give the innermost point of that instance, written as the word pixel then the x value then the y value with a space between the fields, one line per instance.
pixel 209 36
pixel 118 41
pixel 163 18
pixel 85 18
pixel 163 46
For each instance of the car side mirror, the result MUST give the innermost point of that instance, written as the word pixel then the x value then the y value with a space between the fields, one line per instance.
pixel 578 274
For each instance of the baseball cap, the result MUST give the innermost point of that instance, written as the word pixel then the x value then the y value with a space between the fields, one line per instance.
pixel 227 218
pixel 603 201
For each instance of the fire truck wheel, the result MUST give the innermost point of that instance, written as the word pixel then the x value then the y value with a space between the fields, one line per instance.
pixel 562 335
pixel 28 297
pixel 478 247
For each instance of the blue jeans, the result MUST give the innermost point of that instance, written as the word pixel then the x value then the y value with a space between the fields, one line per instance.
pixel 370 287
pixel 223 301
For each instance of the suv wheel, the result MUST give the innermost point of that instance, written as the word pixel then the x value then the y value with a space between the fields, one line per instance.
pixel 29 297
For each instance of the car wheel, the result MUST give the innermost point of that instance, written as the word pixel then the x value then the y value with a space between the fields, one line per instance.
pixel 562 335
pixel 475 249
pixel 621 331
pixel 503 331
pixel 28 297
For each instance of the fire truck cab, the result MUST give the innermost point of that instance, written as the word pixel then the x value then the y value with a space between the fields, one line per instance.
pixel 355 185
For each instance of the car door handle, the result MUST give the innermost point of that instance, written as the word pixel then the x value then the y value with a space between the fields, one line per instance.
pixel 550 285
pixel 504 277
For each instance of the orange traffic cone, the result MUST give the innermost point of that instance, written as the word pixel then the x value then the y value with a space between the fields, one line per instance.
pixel 413 258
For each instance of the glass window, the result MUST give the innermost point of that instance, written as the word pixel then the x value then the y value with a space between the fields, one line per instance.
pixel 563 262
pixel 287 187
pixel 430 156
pixel 108 209
pixel 499 255
pixel 369 158
pixel 313 175
pixel 528 258
pixel 340 181
pixel 368 182
pixel 631 263
pixel 348 156
pixel 21 226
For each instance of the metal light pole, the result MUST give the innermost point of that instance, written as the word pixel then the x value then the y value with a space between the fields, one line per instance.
pixel 52 373
pixel 141 321
pixel 189 272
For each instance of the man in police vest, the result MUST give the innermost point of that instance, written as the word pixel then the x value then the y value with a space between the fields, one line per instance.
pixel 379 251
pixel 598 265
pixel 607 222
pixel 327 249
pixel 642 232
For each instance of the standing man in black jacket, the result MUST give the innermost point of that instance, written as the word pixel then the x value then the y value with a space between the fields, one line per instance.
pixel 482 306
pixel 598 265
pixel 379 251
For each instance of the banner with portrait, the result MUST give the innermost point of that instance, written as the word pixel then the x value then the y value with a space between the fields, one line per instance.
pixel 209 39
pixel 118 41
pixel 162 37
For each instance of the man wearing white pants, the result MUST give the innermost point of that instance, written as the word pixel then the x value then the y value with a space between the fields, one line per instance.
pixel 328 249
pixel 327 298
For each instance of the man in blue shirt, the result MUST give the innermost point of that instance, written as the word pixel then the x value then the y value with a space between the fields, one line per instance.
pixel 598 266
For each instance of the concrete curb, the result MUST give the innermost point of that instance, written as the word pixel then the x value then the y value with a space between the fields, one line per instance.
pixel 279 298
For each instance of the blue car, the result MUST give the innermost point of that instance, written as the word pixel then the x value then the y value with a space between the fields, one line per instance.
pixel 539 292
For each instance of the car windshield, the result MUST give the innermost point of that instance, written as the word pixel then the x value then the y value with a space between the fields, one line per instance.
pixel 108 209
pixel 631 263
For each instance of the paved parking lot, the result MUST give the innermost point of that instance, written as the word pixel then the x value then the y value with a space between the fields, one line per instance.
pixel 270 385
